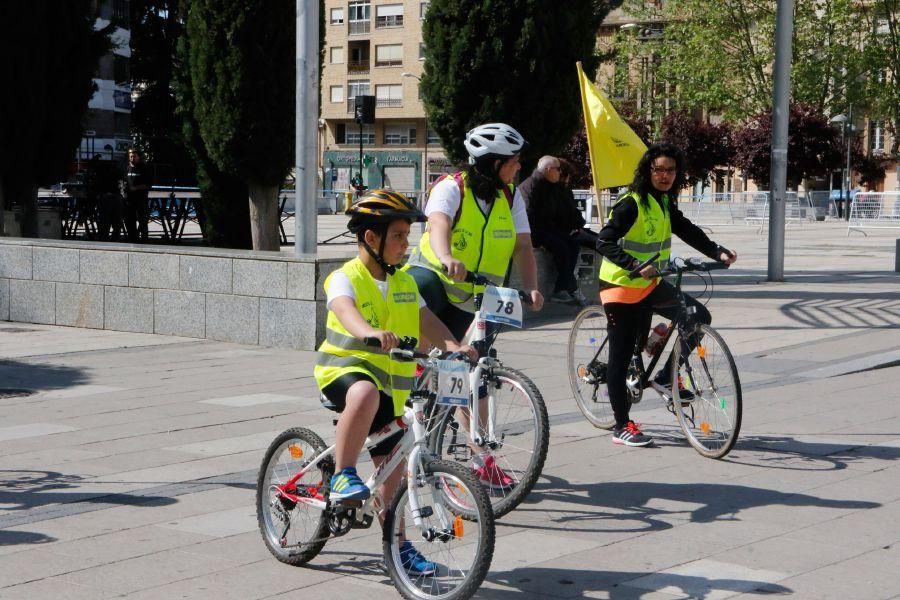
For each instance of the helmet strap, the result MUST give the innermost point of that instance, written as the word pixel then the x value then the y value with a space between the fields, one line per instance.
pixel 389 269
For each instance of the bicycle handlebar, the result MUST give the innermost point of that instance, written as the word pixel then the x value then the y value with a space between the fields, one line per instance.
pixel 406 351
pixel 479 279
pixel 688 264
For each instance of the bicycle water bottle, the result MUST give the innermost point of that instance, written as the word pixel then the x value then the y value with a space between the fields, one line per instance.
pixel 655 339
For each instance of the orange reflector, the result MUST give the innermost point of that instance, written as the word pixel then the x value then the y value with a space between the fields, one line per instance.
pixel 458 526
pixel 705 428
pixel 582 371
pixel 296 451
pixel 701 351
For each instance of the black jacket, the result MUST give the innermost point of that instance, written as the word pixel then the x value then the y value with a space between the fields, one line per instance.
pixel 551 208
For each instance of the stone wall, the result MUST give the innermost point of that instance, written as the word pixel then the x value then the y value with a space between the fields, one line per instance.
pixel 267 298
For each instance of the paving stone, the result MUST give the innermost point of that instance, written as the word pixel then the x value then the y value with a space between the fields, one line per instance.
pixel 79 305
pixel 56 264
pixel 106 268
pixel 264 278
pixel 301 281
pixel 15 261
pixel 232 318
pixel 180 313
pixel 149 270
pixel 32 301
pixel 287 323
pixel 205 274
pixel 128 309
pixel 4 299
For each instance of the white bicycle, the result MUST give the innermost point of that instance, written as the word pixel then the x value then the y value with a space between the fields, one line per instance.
pixel 442 509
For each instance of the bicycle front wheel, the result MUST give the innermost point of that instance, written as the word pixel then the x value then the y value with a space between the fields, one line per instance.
pixel 294 532
pixel 588 356
pixel 509 469
pixel 707 398
pixel 458 552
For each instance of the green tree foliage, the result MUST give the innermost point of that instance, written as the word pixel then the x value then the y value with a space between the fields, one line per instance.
pixel 718 55
pixel 240 62
pixel 882 55
pixel 50 53
pixel 705 145
pixel 511 61
pixel 814 146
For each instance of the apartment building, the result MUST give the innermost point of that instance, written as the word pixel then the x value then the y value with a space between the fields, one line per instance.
pixel 107 128
pixel 374 48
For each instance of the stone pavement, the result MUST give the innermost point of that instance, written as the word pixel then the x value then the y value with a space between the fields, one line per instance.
pixel 131 471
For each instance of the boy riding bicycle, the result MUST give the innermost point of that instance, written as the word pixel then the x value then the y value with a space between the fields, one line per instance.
pixel 369 297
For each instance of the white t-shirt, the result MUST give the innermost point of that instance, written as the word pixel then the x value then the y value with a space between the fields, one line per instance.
pixel 339 285
pixel 444 198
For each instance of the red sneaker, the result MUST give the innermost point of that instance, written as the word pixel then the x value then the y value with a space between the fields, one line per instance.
pixel 491 474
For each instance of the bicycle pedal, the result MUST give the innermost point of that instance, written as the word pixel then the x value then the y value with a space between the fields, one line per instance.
pixel 349 503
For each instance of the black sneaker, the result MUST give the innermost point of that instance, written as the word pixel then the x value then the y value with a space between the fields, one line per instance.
pixel 630 435
pixel 664 387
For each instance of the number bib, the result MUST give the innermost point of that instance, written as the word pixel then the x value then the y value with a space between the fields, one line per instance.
pixel 453 383
pixel 502 305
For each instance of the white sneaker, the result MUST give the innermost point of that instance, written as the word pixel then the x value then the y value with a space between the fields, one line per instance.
pixel 580 298
pixel 561 296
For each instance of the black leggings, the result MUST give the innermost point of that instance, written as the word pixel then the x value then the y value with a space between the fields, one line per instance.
pixel 432 290
pixel 336 394
pixel 629 322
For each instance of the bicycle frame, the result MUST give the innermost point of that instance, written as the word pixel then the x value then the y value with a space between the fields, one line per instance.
pixel 410 448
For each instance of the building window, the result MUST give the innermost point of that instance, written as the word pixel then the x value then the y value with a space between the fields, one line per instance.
pixel 348 133
pixel 337 93
pixel 358 15
pixel 337 55
pixel 876 136
pixel 421 50
pixel 337 16
pixel 389 95
pixel 389 15
pixel 423 8
pixel 399 134
pixel 389 55
pixel 121 69
pixel 357 87
pixel 433 137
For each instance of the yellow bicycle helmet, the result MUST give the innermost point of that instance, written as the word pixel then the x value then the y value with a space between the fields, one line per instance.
pixel 376 210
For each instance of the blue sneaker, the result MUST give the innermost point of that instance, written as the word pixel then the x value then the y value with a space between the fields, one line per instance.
pixel 415 563
pixel 346 485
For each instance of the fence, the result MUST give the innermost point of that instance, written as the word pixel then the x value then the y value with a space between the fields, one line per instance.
pixel 874 210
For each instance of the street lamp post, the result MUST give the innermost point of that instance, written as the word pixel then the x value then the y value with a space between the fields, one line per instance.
pixel 425 151
pixel 846 123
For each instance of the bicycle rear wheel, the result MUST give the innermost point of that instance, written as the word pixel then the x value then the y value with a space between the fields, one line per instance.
pixel 461 550
pixel 509 471
pixel 711 419
pixel 294 532
pixel 588 356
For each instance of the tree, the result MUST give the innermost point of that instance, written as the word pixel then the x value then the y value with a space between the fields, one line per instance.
pixel 240 62
pixel 512 62
pixel 156 26
pixel 50 53
pixel 814 146
pixel 718 55
pixel 705 145
pixel 870 169
pixel 882 55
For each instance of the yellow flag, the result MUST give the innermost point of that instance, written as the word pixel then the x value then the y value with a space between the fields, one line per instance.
pixel 614 147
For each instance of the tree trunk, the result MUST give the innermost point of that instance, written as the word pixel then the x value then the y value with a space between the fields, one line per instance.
pixel 2 207
pixel 29 214
pixel 223 212
pixel 264 216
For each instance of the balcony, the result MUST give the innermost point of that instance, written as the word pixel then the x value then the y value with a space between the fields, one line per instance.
pixel 358 67
pixel 395 62
pixel 389 21
pixel 358 27
pixel 389 102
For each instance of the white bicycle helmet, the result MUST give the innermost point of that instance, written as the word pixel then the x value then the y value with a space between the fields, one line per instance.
pixel 493 139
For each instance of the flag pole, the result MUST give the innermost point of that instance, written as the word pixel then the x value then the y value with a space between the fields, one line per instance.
pixel 594 174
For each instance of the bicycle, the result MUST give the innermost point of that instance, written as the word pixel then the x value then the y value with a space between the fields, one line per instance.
pixel 514 434
pixel 442 509
pixel 711 418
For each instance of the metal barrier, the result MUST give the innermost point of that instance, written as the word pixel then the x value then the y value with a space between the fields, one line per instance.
pixel 874 210
pixel 822 203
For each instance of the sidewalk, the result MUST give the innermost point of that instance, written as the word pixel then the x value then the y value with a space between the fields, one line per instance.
pixel 131 471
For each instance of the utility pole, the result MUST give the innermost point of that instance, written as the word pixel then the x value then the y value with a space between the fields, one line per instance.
pixel 784 30
pixel 306 127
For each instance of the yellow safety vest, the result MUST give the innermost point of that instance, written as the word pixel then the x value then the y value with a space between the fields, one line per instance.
pixel 483 243
pixel 343 353
pixel 650 233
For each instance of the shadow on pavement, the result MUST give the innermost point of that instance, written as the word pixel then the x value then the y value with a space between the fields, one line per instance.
pixel 22 538
pixel 21 490
pixel 636 501
pixel 784 452
pixel 39 377
pixel 538 582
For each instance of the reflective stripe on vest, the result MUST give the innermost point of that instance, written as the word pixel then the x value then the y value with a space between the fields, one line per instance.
pixel 650 233
pixel 483 244
pixel 341 353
